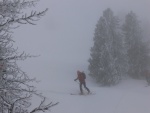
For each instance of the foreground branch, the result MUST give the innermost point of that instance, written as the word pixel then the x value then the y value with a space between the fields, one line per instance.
pixel 43 107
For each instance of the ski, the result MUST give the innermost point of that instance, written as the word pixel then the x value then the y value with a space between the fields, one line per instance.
pixel 76 94
pixel 91 93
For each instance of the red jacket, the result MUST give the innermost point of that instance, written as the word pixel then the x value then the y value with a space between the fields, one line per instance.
pixel 80 77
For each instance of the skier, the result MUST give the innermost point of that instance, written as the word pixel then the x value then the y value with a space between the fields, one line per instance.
pixel 148 78
pixel 81 77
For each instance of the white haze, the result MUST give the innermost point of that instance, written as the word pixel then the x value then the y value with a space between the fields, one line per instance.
pixel 64 36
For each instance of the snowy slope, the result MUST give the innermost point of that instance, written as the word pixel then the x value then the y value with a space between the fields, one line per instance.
pixel 130 96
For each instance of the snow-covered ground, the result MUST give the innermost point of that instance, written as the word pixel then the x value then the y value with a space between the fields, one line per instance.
pixel 130 96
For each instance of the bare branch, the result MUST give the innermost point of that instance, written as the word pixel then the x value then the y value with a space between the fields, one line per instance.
pixel 15 88
pixel 43 107
pixel 25 19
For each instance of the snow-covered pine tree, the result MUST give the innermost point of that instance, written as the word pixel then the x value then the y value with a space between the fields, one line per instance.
pixel 107 60
pixel 137 50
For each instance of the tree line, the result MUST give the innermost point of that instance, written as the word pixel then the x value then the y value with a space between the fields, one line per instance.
pixel 119 50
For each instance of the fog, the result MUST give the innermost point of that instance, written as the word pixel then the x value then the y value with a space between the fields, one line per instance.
pixel 64 36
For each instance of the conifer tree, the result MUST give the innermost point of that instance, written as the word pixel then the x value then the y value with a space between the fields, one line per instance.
pixel 137 50
pixel 107 55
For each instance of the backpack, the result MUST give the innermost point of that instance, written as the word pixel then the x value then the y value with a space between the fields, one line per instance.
pixel 83 74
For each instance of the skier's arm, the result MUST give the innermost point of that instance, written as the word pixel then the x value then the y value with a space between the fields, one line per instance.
pixel 76 79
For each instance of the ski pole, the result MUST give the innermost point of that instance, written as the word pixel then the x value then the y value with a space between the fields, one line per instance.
pixel 77 82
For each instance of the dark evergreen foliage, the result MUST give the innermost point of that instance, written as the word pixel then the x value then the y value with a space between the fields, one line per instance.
pixel 107 55
pixel 118 51
pixel 137 50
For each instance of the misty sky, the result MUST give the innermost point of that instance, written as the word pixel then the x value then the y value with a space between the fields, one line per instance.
pixel 64 36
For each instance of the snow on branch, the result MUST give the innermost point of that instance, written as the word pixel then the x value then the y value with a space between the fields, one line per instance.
pixel 43 107
pixel 34 16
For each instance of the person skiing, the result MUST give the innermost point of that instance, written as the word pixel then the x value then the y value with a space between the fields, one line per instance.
pixel 147 77
pixel 81 77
